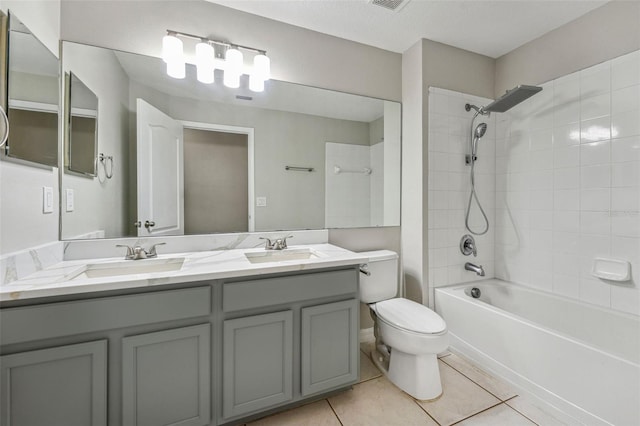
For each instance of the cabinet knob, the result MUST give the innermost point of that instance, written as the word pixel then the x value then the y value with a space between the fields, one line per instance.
pixel 149 224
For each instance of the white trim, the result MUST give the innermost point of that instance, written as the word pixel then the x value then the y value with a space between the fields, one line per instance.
pixel 249 131
pixel 84 112
pixel 32 106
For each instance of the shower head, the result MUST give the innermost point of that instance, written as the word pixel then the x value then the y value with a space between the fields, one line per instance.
pixel 512 98
pixel 482 127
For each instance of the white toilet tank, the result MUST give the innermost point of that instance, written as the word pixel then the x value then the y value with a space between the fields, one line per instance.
pixel 382 284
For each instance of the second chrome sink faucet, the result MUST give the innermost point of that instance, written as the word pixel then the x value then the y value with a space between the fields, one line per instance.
pixel 276 244
pixel 138 252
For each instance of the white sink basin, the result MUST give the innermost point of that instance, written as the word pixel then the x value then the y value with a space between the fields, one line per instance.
pixel 281 255
pixel 128 267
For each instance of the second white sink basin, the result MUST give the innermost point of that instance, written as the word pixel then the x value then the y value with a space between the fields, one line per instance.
pixel 281 255
pixel 129 267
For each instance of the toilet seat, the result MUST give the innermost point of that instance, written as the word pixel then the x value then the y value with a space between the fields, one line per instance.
pixel 409 316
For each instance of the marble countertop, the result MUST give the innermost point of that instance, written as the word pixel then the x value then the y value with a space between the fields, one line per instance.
pixel 67 278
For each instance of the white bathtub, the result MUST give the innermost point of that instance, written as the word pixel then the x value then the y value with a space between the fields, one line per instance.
pixel 580 358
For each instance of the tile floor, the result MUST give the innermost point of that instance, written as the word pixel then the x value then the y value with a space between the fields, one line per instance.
pixel 471 397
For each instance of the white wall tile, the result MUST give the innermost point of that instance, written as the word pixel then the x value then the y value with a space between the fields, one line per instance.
pixel 626 99
pixel 595 153
pixel 598 176
pixel 625 70
pixel 625 174
pixel 595 106
pixel 592 208
pixel 625 149
pixel 625 124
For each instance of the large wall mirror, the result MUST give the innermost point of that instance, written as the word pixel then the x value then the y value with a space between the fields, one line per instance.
pixel 180 157
pixel 33 97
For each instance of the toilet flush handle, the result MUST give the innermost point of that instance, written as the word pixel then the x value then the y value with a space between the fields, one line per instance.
pixel 364 270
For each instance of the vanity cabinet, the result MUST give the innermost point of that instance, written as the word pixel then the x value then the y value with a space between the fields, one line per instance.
pixel 288 338
pixel 330 345
pixel 193 354
pixel 65 385
pixel 257 362
pixel 166 378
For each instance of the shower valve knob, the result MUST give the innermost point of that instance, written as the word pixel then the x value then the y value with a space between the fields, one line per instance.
pixel 468 246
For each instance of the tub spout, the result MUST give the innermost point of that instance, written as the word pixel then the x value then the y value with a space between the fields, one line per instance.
pixel 474 268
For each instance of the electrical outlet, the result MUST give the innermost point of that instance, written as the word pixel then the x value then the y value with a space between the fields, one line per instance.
pixel 261 201
pixel 47 199
pixel 69 198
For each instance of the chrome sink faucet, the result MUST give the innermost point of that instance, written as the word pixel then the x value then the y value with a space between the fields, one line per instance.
pixel 138 252
pixel 474 268
pixel 277 244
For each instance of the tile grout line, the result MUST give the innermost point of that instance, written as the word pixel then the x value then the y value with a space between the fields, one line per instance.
pixel 479 412
pixel 334 412
pixel 520 412
pixel 426 412
pixel 482 387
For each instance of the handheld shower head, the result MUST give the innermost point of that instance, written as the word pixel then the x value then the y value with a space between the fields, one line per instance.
pixel 480 130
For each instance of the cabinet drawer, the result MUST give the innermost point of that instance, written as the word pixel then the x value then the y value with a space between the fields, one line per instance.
pixel 84 316
pixel 239 295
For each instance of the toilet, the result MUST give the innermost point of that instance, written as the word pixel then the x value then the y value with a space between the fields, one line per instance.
pixel 409 336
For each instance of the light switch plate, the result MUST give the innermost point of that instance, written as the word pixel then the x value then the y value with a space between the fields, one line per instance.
pixel 69 198
pixel 261 201
pixel 47 199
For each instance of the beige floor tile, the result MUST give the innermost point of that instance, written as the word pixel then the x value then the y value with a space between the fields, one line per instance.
pixel 378 402
pixel 367 369
pixel 460 398
pixel 316 414
pixel 532 411
pixel 499 415
pixel 497 387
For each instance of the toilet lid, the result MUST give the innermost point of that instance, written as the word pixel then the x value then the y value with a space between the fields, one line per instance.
pixel 410 316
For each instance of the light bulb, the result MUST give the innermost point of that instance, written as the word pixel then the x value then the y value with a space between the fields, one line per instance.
pixel 262 66
pixel 171 48
pixel 233 68
pixel 256 83
pixel 204 62
pixel 176 69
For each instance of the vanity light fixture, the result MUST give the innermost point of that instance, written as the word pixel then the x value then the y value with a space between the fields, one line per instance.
pixel 207 60
pixel 172 55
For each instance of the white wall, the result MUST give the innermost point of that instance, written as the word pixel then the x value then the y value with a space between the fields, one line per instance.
pixel 100 203
pixel 568 181
pixel 23 224
pixel 600 35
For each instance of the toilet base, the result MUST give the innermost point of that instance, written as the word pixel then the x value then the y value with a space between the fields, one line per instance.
pixel 417 375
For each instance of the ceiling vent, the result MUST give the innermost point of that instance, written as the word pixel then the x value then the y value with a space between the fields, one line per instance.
pixel 395 5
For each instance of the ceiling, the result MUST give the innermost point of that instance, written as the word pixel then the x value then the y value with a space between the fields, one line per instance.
pixel 491 28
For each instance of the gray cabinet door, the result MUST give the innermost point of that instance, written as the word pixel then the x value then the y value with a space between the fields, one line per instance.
pixel 329 346
pixel 166 377
pixel 62 386
pixel 257 362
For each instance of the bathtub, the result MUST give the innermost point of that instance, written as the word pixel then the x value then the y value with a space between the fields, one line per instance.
pixel 581 359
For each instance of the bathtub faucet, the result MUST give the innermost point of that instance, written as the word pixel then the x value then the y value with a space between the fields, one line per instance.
pixel 474 268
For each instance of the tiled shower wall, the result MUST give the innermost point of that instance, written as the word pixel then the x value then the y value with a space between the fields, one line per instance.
pixel 449 186
pixel 568 184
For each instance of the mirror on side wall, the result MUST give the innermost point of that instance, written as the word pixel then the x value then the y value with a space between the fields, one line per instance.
pixel 81 121
pixel 192 158
pixel 32 97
